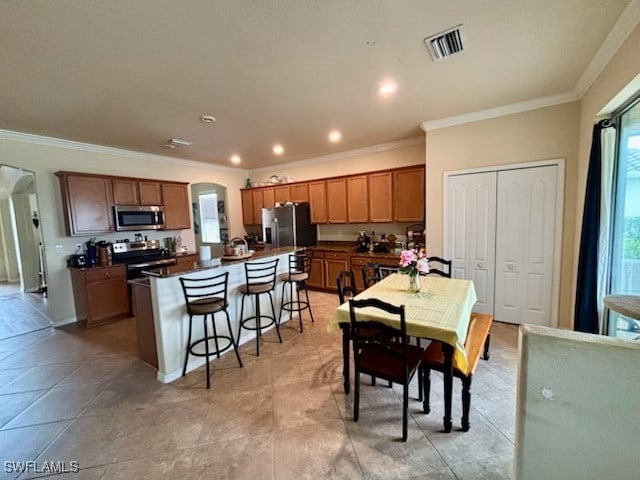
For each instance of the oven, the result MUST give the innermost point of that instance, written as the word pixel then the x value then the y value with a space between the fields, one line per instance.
pixel 139 256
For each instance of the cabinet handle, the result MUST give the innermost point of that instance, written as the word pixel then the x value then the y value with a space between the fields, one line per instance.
pixel 107 274
pixel 510 267
pixel 479 265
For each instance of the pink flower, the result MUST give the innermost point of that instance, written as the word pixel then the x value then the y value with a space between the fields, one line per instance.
pixel 423 265
pixel 407 257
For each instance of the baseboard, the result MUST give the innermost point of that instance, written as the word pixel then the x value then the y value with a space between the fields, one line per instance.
pixel 65 321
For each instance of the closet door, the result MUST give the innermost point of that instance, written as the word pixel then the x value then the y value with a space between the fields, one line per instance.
pixel 525 233
pixel 470 229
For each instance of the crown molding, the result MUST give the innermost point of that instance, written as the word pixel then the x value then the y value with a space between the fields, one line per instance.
pixel 499 111
pixel 119 152
pixel 380 147
pixel 623 27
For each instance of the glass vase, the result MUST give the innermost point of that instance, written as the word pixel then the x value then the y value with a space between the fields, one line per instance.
pixel 414 283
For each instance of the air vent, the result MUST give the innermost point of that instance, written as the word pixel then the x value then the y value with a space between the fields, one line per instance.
pixel 445 44
pixel 176 142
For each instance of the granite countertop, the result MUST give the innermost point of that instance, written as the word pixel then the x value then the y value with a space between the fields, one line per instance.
pixel 200 265
pixel 350 248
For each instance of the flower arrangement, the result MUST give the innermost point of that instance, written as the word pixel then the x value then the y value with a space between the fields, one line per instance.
pixel 412 263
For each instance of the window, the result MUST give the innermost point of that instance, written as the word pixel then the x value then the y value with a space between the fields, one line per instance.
pixel 209 224
pixel 625 255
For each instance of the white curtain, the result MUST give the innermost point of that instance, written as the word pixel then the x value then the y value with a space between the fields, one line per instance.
pixel 608 145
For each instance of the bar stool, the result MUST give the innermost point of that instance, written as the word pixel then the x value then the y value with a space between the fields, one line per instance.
pixel 260 279
pixel 206 297
pixel 299 271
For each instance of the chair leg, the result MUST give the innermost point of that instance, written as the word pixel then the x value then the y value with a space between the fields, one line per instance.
pixel 282 304
pixel 466 402
pixel 373 381
pixel 273 309
pixel 291 284
pixel 299 306
pixel 186 357
pixel 206 350
pixel 215 334
pixel 356 396
pixel 426 385
pixel 235 344
pixel 487 342
pixel 241 319
pixel 306 293
pixel 420 381
pixel 405 410
pixel 258 332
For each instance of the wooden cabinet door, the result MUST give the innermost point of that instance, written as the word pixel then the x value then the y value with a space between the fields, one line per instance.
pixel 125 192
pixel 332 268
pixel 318 202
pixel 337 200
pixel 299 192
pixel 380 197
pixel 282 194
pixel 268 198
pixel 408 195
pixel 150 193
pixel 247 207
pixel 88 204
pixel 106 299
pixel 357 199
pixel 176 206
pixel 258 203
pixel 316 276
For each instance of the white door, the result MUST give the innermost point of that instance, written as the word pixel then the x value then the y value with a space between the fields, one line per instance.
pixel 470 233
pixel 525 237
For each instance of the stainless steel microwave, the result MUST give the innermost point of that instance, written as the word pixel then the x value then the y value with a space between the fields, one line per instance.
pixel 132 217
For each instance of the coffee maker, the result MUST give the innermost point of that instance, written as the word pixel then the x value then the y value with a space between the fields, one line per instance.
pixel 363 242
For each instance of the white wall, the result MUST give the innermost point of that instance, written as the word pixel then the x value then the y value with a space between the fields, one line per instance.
pixel 577 407
pixel 44 160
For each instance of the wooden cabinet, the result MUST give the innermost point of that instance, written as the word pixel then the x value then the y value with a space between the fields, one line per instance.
pixel 247 206
pixel 100 294
pixel 318 201
pixel 299 192
pixel 150 193
pixel 125 192
pixel 87 201
pixel 357 199
pixel 258 203
pixel 316 276
pixel 282 194
pixel 145 327
pixel 408 195
pixel 337 200
pixel 268 199
pixel 187 260
pixel 334 263
pixel 380 197
pixel 176 206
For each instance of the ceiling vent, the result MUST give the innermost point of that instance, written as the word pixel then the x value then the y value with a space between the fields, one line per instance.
pixel 176 142
pixel 445 44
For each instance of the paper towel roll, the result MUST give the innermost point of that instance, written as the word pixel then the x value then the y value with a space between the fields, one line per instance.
pixel 205 252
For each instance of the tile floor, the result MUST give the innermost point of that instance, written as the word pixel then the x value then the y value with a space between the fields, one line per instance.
pixel 82 395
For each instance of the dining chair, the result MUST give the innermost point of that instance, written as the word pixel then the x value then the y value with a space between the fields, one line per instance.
pixel 389 357
pixel 371 274
pixel 443 267
pixel 386 270
pixel 433 359
pixel 346 283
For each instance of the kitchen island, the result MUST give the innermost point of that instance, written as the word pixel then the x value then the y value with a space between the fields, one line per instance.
pixel 171 320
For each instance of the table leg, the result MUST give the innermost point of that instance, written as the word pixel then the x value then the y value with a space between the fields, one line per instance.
pixel 447 350
pixel 345 358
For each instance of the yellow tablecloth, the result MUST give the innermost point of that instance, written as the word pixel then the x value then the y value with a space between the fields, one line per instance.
pixel 440 311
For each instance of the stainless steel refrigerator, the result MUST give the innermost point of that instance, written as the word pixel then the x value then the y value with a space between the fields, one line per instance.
pixel 289 225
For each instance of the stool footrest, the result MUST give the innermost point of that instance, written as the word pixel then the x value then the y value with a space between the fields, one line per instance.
pixel 243 322
pixel 214 351
pixel 295 306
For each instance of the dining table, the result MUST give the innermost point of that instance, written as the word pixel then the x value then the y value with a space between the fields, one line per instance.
pixel 440 311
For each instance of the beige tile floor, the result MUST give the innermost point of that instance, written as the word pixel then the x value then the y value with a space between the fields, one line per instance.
pixel 76 395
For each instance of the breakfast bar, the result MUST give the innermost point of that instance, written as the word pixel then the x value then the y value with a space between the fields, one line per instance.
pixel 171 319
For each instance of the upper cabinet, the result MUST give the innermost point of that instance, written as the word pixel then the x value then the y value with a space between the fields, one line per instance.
pixel 87 203
pixel 408 195
pixel 387 196
pixel 176 206
pixel 150 193
pixel 380 197
pixel 358 196
pixel 318 201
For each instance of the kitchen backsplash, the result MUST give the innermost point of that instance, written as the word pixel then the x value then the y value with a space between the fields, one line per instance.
pixel 349 232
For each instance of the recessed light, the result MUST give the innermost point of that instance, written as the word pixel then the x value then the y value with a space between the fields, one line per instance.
pixel 235 159
pixel 335 136
pixel 278 149
pixel 387 88
pixel 207 119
